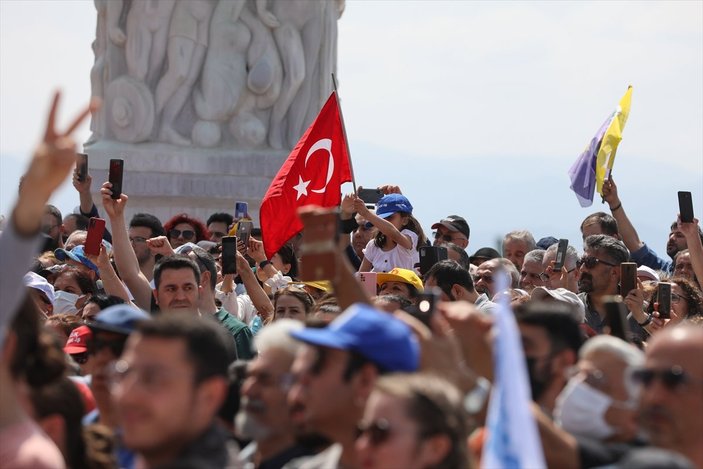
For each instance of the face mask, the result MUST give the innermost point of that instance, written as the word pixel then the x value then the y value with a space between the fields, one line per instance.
pixel 538 382
pixel 580 410
pixel 65 303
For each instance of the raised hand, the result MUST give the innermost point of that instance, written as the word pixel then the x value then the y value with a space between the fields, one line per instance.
pixel 113 207
pixel 160 245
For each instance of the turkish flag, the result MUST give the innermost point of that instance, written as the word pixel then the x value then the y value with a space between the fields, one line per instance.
pixel 312 175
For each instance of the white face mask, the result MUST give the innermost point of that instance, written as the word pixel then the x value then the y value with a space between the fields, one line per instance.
pixel 580 410
pixel 65 303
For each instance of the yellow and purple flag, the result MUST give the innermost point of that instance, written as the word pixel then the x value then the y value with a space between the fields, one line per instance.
pixel 595 163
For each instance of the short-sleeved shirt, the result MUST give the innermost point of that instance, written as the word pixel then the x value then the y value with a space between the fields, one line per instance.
pixel 385 261
pixel 242 334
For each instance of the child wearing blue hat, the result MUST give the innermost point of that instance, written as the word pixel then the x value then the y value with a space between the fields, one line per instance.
pixel 399 235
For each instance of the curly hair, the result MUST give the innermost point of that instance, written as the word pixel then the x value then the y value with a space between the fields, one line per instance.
pixel 201 232
pixel 693 297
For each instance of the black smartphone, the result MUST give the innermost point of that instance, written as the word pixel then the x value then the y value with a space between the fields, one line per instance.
pixel 425 306
pixel 664 300
pixel 229 255
pixel 370 196
pixel 616 317
pixel 628 277
pixel 560 260
pixel 82 166
pixel 115 177
pixel 244 228
pixel 685 207
pixel 430 255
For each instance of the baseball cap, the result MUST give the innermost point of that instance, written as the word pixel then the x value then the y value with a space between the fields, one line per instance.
pixel 485 253
pixel 77 254
pixel 393 203
pixel 78 340
pixel 547 241
pixel 38 282
pixel 400 275
pixel 563 295
pixel 379 337
pixel 454 223
pixel 121 319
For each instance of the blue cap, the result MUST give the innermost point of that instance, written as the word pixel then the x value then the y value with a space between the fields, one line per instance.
pixel 381 338
pixel 76 254
pixel 121 319
pixel 393 203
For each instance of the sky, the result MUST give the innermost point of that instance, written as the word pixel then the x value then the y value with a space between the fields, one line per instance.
pixel 473 108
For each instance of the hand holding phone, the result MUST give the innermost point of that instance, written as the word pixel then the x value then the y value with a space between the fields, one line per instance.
pixel 685 207
pixel 664 300
pixel 115 177
pixel 370 196
pixel 229 255
pixel 616 317
pixel 81 167
pixel 560 259
pixel 369 281
pixel 628 277
pixel 94 238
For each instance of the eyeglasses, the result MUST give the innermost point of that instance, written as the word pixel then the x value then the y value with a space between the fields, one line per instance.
pixel 116 346
pixel 137 240
pixel 590 262
pixel 446 237
pixel 672 379
pixel 377 431
pixel 544 276
pixel 675 298
pixel 80 358
pixel 151 378
pixel 187 234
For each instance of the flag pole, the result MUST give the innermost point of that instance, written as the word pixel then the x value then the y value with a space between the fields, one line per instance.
pixel 344 131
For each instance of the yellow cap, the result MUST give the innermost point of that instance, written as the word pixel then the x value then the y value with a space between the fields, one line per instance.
pixel 400 275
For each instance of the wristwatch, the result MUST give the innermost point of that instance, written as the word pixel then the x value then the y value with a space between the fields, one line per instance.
pixel 264 263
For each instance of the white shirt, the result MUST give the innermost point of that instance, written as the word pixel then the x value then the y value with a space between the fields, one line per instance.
pixel 385 261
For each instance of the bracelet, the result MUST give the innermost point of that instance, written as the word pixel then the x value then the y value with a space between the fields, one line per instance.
pixel 264 263
pixel 616 208
pixel 647 321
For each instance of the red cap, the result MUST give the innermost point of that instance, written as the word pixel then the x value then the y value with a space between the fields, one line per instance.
pixel 78 340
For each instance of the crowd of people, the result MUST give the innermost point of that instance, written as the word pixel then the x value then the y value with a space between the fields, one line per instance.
pixel 148 355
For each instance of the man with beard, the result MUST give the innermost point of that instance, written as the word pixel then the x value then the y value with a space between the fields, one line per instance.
pixel 551 339
pixel 263 414
pixel 641 253
pixel 599 276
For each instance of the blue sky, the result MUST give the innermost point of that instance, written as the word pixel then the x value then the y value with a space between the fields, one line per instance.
pixel 474 108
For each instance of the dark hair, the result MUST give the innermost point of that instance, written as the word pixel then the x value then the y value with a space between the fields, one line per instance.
pixel 288 257
pixel 55 212
pixel 557 319
pixel 608 224
pixel 81 220
pixel 177 261
pixel 464 259
pixel 37 356
pixel 355 363
pixel 85 283
pixel 412 225
pixel 205 262
pixel 436 406
pixel 611 247
pixel 201 232
pixel 694 297
pixel 220 217
pixel 448 273
pixel 206 341
pixel 298 293
pixel 675 226
pixel 62 397
pixel 103 301
pixel 147 220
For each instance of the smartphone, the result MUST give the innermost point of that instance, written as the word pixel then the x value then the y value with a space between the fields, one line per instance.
pixel 685 207
pixel 244 228
pixel 628 277
pixel 368 281
pixel 319 246
pixel 430 255
pixel 560 260
pixel 370 196
pixel 424 309
pixel 616 317
pixel 82 166
pixel 115 177
pixel 229 255
pixel 94 238
pixel 664 300
pixel 241 210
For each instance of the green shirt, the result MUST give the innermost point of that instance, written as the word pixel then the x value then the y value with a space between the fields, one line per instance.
pixel 240 331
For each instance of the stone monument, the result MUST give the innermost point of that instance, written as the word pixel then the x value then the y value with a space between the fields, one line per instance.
pixel 204 99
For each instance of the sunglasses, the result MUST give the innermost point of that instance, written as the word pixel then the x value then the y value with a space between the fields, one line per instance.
pixel 591 261
pixel 80 358
pixel 377 431
pixel 187 234
pixel 446 237
pixel 672 379
pixel 116 346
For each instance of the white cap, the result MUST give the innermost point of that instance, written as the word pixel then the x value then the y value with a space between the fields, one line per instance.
pixel 38 282
pixel 564 295
pixel 647 273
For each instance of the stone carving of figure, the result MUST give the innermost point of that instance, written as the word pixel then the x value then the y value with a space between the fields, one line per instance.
pixel 147 34
pixel 107 31
pixel 187 44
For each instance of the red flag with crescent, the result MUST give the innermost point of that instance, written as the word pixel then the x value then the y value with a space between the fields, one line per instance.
pixel 312 175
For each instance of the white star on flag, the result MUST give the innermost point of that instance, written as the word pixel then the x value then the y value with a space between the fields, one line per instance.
pixel 301 188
